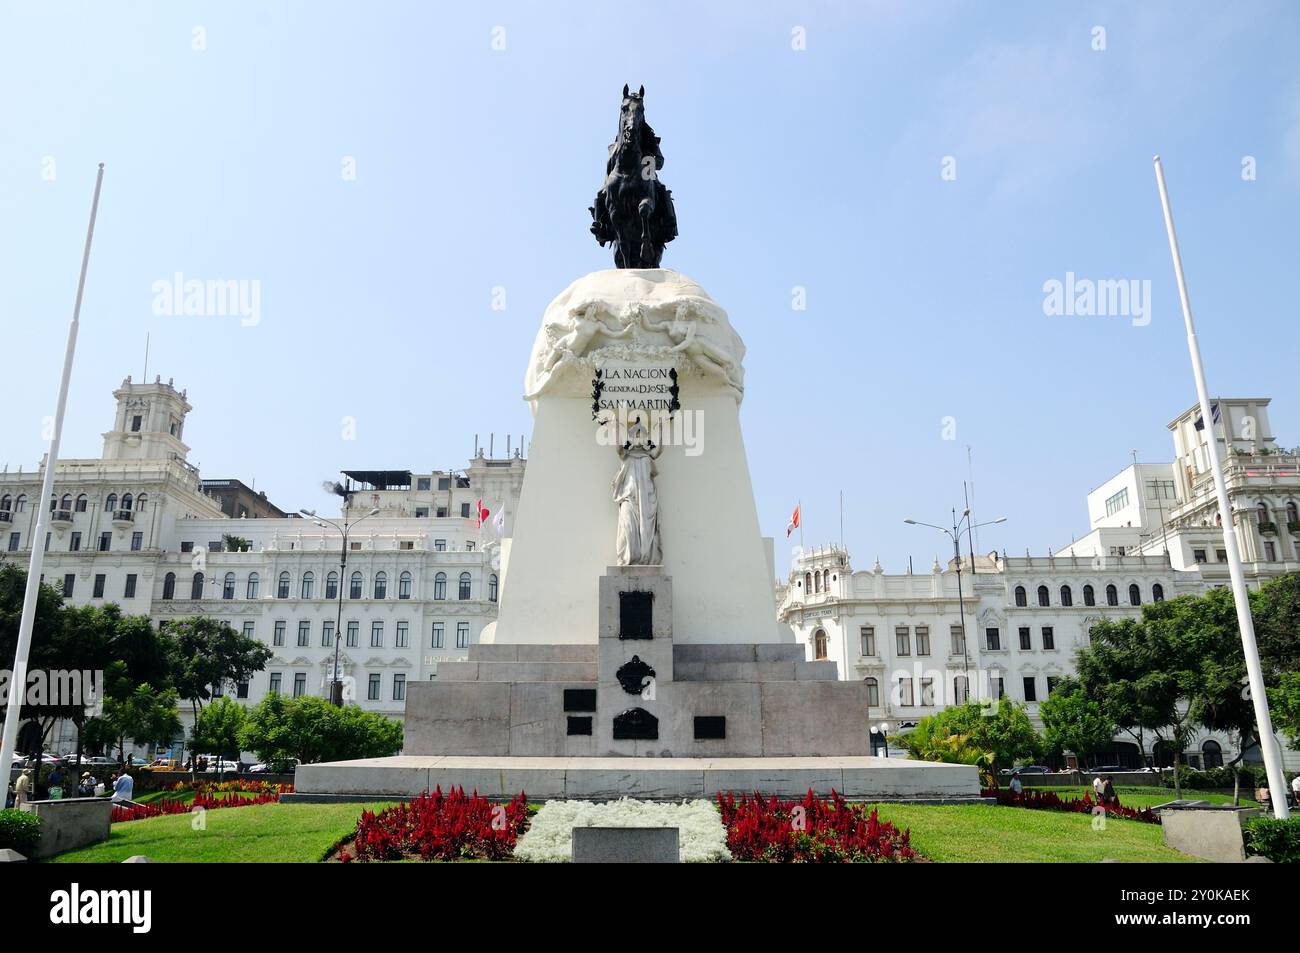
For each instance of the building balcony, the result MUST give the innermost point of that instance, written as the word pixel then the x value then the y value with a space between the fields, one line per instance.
pixel 123 518
pixel 61 519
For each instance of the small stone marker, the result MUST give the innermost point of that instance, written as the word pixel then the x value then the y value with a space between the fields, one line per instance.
pixel 626 845
pixel 10 856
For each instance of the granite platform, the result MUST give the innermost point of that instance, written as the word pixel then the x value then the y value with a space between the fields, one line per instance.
pixel 596 778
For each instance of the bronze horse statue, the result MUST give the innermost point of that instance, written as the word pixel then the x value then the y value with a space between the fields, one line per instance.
pixel 633 211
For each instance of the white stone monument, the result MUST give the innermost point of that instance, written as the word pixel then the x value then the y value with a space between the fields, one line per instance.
pixel 634 327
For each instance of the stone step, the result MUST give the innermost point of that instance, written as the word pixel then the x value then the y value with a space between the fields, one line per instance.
pixel 738 652
pixel 517 671
pixel 524 652
pixel 754 671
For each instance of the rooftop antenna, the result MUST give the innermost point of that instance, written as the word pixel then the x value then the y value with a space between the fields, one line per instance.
pixel 145 376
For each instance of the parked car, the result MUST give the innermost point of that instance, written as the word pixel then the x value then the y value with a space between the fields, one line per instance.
pixel 163 764
pixel 1029 769
pixel 224 767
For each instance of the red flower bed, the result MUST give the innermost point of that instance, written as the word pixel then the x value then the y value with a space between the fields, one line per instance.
pixel 455 826
pixel 209 797
pixel 828 830
pixel 1051 801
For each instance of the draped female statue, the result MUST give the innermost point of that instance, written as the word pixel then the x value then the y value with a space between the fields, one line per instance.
pixel 637 541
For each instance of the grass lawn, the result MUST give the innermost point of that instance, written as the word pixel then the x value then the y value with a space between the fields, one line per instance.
pixel 1140 797
pixel 303 833
pixel 154 796
pixel 265 833
pixel 989 833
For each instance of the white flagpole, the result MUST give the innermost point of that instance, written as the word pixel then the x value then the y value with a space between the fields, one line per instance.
pixel 1272 760
pixel 18 681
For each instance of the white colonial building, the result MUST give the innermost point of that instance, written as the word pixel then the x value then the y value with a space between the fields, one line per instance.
pixel 1154 536
pixel 138 527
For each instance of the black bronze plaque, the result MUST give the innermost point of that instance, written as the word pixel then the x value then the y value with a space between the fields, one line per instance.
pixel 636 724
pixel 708 727
pixel 579 699
pixel 633 675
pixel 636 615
pixel 579 724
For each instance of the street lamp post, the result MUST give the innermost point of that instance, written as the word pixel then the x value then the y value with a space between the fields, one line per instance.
pixel 955 535
pixel 336 684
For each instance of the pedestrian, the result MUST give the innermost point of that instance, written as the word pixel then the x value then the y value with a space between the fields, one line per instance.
pixel 23 789
pixel 1016 787
pixel 87 786
pixel 1108 795
pixel 1295 790
pixel 1098 786
pixel 55 782
pixel 123 788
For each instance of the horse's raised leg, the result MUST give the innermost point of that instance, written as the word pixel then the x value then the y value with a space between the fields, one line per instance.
pixel 645 209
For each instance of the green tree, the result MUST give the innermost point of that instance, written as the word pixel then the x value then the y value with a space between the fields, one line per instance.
pixel 217 728
pixel 146 716
pixel 1005 734
pixel 1073 722
pixel 1285 700
pixel 235 544
pixel 310 729
pixel 204 652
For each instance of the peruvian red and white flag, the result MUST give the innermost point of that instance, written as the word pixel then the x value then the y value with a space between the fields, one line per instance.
pixel 793 525
pixel 482 514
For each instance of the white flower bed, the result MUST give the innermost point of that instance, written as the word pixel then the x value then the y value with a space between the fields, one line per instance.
pixel 549 838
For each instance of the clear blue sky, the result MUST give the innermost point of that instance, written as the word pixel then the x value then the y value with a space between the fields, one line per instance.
pixel 817 168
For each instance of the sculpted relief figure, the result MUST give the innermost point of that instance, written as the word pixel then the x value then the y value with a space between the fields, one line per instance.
pixel 637 540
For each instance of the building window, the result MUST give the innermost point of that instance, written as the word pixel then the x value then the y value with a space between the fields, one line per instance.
pixel 250 588
pixel 1117 502
pixel 249 628
pixel 1031 688
pixel 492 588
pixel 1270 551
pixel 462 635
pixel 399 687
pixel 110 504
pixel 464 510
pixel 437 635
pixel 274 686
pixel 1067 597
pixel 304 633
pixel 404 585
pixel 1221 555
pixel 1161 490
pixel 960 689
pixel 80 506
pixel 440 545
pixel 440 586
pixel 354 633
pixel 422 483
pixel 1157 593
pixel 282 587
pixel 464 586
pixel 873 692
pixel 1052 682
pixel 1049 638
pixel 922 640
pixel 308 584
pixel 228 586
pixel 129 591
pixel 20 504
pixel 15 539
pixel 196 586
pixel 354 586
pixel 1043 597
pixel 867 634
pixel 1199 555
pixel 1212 753
pixel 278 637
pixel 927 691
pixel 1021 598
pixel 169 586
pixel 998 684
pixel 993 640
pixel 1026 643
pixel 105 541
pixel 139 503
pixel 820 645
pixel 902 641
pixel 1134 595
pixel 372 692
pixel 98 591
pixel 905 697
pixel 381 585
pixel 1089 596
pixel 137 541
pixel 1112 595
pixel 403 634
pixel 299 684
pixel 74 544
pixel 327 635
pixel 332 585
pixel 376 635
pixel 958 640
